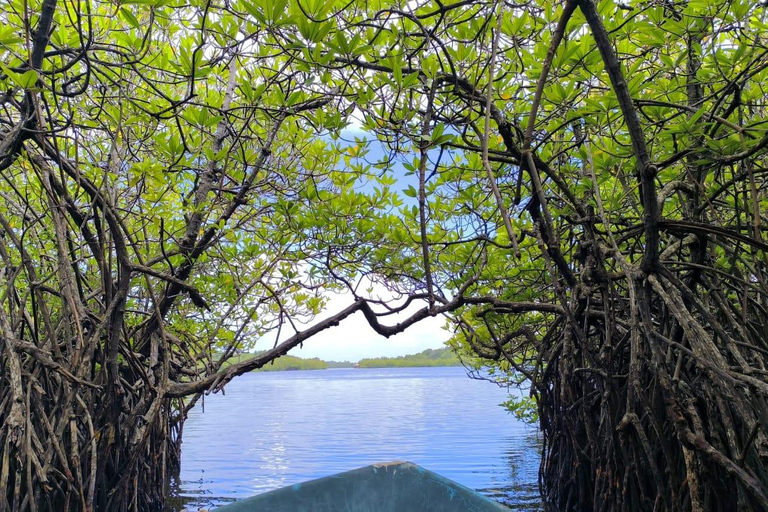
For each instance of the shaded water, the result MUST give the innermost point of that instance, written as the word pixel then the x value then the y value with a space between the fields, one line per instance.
pixel 280 428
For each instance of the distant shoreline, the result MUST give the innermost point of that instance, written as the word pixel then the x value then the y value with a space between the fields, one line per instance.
pixel 330 368
pixel 440 357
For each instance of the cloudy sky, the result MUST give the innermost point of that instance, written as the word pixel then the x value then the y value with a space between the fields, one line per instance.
pixel 353 339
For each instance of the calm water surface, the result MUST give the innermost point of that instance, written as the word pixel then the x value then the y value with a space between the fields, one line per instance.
pixel 279 428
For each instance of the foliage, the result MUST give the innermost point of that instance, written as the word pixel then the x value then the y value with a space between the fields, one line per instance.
pixel 578 186
pixel 283 363
pixel 173 187
pixel 428 357
pixel 521 407
pixel 290 363
pixel 339 364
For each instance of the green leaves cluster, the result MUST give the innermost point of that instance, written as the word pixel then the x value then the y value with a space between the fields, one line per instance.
pixel 266 153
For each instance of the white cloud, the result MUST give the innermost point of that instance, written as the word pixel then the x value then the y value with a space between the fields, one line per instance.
pixel 353 339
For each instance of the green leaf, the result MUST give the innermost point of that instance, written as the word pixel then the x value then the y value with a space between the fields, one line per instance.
pixel 24 80
pixel 152 3
pixel 695 117
pixel 129 17
pixel 397 71
pixel 28 79
pixel 8 36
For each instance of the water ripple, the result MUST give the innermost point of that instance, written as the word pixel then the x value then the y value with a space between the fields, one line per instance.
pixel 280 428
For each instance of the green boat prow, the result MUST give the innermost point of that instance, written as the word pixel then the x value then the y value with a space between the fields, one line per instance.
pixel 388 487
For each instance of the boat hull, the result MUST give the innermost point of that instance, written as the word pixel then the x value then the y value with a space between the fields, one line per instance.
pixel 387 487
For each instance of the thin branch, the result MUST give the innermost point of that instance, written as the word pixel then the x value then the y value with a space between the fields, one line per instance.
pixel 486 135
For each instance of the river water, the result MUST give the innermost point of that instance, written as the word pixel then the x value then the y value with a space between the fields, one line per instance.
pixel 275 429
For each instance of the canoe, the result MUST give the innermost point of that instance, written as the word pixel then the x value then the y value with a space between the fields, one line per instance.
pixel 387 487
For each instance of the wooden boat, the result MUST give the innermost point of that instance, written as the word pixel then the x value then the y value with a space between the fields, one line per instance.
pixel 387 487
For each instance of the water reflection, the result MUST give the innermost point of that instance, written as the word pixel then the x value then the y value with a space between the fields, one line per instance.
pixel 520 489
pixel 276 429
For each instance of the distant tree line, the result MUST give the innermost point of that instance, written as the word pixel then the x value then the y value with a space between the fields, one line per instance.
pixel 284 363
pixel 429 357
